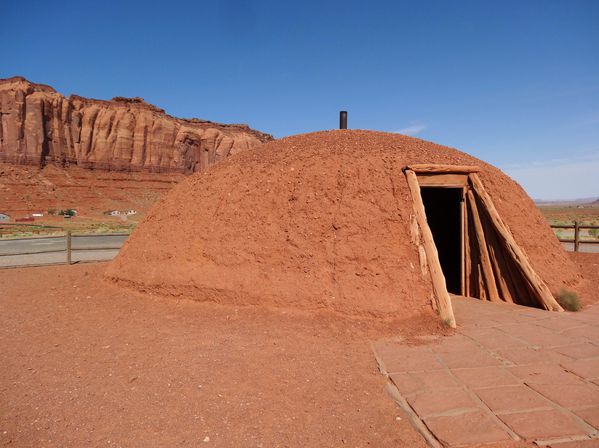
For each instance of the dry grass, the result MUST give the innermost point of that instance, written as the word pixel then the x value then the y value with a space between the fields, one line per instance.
pixel 569 300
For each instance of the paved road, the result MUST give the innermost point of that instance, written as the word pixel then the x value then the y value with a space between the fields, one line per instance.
pixel 53 250
pixel 588 248
pixel 28 251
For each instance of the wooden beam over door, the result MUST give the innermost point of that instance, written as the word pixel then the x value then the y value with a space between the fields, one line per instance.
pixel 443 180
pixel 440 169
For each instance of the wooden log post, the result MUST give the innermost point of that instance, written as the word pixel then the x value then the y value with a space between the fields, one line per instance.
pixel 541 291
pixel 482 292
pixel 438 279
pixel 576 236
pixel 485 259
pixel 500 267
pixel 69 243
pixel 467 262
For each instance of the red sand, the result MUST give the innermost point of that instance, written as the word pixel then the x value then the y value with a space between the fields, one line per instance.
pixel 314 221
pixel 589 266
pixel 86 364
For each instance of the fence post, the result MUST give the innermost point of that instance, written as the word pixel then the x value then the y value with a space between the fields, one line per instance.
pixel 69 261
pixel 576 235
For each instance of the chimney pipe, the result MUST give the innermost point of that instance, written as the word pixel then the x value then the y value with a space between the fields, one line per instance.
pixel 343 119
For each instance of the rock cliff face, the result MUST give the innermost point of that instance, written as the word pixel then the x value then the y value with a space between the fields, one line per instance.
pixel 40 126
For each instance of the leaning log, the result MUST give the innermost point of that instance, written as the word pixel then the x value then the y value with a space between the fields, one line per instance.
pixel 537 285
pixel 485 259
pixel 438 279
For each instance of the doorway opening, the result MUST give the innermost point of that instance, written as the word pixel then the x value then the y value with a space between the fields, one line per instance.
pixel 464 242
pixel 443 208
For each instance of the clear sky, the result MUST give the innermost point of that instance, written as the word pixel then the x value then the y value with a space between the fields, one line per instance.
pixel 513 82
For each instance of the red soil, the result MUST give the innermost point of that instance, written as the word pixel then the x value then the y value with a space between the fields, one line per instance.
pixel 589 266
pixel 86 364
pixel 27 189
pixel 314 221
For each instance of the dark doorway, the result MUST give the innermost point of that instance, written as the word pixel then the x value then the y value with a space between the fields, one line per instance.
pixel 443 208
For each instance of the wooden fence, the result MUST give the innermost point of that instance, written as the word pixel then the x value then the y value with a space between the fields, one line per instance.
pixel 577 240
pixel 65 245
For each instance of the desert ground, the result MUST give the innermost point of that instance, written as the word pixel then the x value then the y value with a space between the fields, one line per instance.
pixel 86 363
pixel 568 213
pixel 26 190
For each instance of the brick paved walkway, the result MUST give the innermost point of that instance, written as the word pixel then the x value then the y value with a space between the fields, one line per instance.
pixel 510 373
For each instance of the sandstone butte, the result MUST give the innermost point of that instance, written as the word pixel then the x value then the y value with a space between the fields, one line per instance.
pixel 40 126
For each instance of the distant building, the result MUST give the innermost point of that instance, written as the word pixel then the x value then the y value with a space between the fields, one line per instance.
pixel 37 215
pixel 131 212
pixel 25 219
pixel 4 217
pixel 112 213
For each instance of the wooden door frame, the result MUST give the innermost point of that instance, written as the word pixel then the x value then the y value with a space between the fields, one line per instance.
pixel 466 177
pixel 457 181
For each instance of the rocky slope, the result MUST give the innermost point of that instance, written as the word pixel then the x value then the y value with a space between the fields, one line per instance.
pixel 40 126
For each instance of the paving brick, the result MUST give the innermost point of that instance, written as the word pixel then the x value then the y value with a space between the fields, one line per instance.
pixel 542 424
pixel 571 396
pixel 469 358
pixel 512 398
pixel 492 338
pixel 538 336
pixel 457 343
pixel 397 357
pixel 406 383
pixel 590 415
pixel 413 362
pixel 559 323
pixel 544 374
pixel 486 377
pixel 416 382
pixel 585 368
pixel 429 403
pixel 528 355
pixel 522 363
pixel 579 351
pixel 466 429
pixel 387 347
pixel 588 443
pixel 585 332
pixel 588 317
pixel 510 318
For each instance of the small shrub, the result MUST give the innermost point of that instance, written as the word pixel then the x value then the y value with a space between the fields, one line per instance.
pixel 569 300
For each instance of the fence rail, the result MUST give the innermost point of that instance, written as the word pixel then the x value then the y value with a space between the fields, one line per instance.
pixel 577 240
pixel 69 244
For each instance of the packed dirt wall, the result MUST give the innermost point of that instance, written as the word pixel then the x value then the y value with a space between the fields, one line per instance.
pixel 315 221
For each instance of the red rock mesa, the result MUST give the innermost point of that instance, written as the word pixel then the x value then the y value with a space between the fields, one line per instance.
pixel 40 126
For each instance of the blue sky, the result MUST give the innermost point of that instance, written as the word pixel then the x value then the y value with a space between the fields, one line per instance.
pixel 513 82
